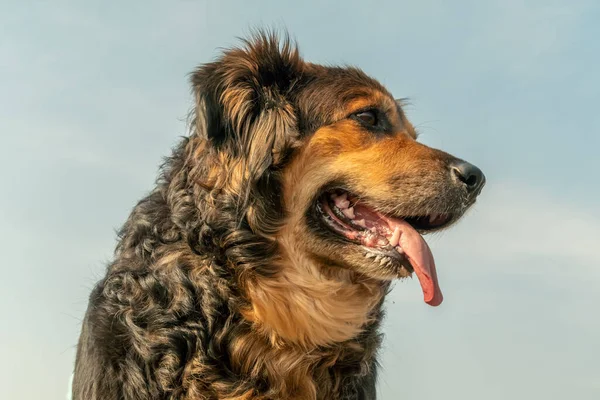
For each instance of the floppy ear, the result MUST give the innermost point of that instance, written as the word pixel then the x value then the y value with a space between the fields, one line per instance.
pixel 243 102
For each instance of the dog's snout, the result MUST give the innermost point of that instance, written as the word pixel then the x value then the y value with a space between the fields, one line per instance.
pixel 469 175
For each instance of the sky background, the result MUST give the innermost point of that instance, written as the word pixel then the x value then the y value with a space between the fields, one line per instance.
pixel 93 94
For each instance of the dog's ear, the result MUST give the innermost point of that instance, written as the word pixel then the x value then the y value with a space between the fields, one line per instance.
pixel 244 101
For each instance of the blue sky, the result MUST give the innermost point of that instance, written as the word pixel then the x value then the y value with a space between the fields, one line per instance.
pixel 93 94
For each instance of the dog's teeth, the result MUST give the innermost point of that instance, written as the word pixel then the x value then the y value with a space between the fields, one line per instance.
pixel 341 201
pixel 378 259
pixel 349 212
pixel 395 239
pixel 361 222
pixel 381 241
pixel 370 240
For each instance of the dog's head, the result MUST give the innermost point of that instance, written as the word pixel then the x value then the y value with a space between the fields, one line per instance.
pixel 321 163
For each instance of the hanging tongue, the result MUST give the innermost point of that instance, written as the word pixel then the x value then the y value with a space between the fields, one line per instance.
pixel 420 257
pixel 418 253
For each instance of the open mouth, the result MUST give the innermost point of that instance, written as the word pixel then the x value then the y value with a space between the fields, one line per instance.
pixel 398 238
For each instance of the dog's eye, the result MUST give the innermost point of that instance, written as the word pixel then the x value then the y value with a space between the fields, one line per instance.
pixel 368 117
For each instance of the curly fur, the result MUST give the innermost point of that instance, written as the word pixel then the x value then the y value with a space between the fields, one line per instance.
pixel 211 294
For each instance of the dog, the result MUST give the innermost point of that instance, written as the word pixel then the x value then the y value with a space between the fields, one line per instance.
pixel 257 266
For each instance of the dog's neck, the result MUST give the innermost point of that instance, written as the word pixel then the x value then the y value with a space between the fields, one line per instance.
pixel 309 303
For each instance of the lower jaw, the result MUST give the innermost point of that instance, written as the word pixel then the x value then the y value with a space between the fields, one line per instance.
pixel 383 264
pixel 389 263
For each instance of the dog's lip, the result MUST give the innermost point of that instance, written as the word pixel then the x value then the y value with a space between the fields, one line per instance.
pixel 348 229
pixel 424 223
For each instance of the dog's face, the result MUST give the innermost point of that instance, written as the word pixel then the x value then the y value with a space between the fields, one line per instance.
pixel 354 188
pixel 362 189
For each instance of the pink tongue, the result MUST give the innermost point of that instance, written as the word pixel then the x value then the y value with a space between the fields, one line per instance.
pixel 418 253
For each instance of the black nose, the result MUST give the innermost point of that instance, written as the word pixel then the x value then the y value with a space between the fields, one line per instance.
pixel 469 175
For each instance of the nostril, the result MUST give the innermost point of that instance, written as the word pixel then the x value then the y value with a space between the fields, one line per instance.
pixel 469 180
pixel 469 175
